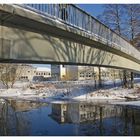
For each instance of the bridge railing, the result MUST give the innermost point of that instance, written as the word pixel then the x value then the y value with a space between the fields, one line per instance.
pixel 74 16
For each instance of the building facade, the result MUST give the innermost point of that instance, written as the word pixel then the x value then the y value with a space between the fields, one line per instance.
pixel 58 72
pixel 69 72
pixel 30 73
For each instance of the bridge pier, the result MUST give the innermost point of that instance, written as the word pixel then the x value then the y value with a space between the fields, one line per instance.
pixel 100 80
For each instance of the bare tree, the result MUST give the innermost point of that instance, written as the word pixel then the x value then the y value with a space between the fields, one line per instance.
pixel 137 41
pixel 9 73
pixel 113 73
pixel 132 22
pixel 125 20
pixel 112 17
pixel 120 76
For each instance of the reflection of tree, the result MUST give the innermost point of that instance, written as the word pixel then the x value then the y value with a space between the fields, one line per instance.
pixel 22 124
pixel 12 122
pixel 101 121
pixel 6 118
pixel 3 112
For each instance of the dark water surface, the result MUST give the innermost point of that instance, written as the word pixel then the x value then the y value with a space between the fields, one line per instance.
pixel 62 118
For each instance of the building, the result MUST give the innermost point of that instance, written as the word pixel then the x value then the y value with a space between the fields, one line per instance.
pixel 29 73
pixel 69 72
pixel 26 72
pixel 42 74
pixel 87 72
pixel 58 72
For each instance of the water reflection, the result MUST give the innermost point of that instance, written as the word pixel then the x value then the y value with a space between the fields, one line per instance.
pixel 82 112
pixel 67 118
pixel 13 120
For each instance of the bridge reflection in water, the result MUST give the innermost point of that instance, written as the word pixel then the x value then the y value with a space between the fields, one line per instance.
pixel 67 118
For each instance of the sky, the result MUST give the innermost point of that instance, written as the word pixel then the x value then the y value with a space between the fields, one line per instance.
pixel 92 9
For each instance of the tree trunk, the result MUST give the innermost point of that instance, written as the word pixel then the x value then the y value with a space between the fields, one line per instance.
pixel 124 79
pixel 132 80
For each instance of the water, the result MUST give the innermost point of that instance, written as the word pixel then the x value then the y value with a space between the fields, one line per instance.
pixel 67 118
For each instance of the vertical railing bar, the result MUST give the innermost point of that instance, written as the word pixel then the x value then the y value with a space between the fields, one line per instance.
pixel 68 12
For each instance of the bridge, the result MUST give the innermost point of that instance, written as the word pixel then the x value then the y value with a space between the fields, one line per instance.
pixel 61 34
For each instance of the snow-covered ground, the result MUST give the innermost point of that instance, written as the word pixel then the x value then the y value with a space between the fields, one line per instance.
pixel 76 91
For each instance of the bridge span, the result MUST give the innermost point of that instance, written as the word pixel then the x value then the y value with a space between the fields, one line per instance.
pixel 62 34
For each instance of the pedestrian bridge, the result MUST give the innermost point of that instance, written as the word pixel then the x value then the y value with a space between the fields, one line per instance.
pixel 62 34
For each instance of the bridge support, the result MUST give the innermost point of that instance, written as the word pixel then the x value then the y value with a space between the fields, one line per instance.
pixel 100 80
pixel 132 80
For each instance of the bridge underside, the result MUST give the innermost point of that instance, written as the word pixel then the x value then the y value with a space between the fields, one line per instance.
pixel 17 45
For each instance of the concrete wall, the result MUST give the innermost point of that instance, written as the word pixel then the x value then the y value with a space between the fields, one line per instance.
pixel 29 46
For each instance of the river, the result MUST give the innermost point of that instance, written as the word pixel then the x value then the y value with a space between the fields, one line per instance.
pixel 67 118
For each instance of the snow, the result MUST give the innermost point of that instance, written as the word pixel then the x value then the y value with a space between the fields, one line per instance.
pixel 76 91
pixel 113 93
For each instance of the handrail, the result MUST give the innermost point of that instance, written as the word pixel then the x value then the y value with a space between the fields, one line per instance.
pixel 75 16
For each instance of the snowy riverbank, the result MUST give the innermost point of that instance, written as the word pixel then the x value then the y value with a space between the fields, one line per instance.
pixel 76 92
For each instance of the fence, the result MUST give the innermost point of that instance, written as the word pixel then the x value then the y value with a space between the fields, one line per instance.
pixel 74 16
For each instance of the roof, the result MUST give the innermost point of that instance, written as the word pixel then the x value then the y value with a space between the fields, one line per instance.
pixel 43 69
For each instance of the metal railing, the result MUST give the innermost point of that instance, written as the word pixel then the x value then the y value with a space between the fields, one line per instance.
pixel 74 16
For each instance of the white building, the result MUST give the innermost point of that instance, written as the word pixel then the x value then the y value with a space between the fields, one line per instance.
pixel 29 73
pixel 71 72
pixel 43 71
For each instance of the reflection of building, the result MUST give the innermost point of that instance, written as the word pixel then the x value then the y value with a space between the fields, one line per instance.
pixel 59 112
pixel 25 106
pixel 82 112
pixel 110 120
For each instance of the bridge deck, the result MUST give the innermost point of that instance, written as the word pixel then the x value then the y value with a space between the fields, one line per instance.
pixel 46 39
